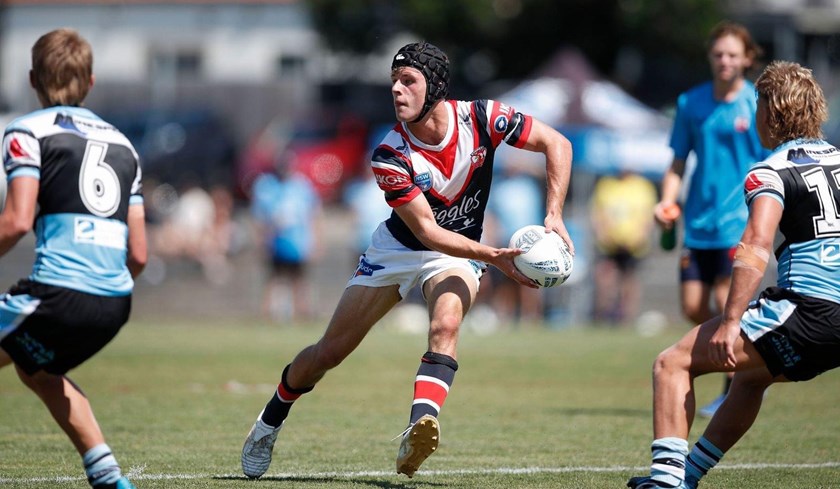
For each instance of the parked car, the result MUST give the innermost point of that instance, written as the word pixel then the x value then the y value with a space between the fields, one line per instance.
pixel 329 148
pixel 180 146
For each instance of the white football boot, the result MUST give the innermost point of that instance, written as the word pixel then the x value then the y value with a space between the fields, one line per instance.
pixel 418 442
pixel 256 453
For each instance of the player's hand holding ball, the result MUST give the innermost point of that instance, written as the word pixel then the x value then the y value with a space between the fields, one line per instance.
pixel 545 258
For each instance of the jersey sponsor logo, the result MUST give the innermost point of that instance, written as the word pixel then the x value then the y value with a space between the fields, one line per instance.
pixel 391 180
pixel 500 124
pixel 66 122
pixel 753 182
pixel 742 124
pixel 423 180
pixel 477 157
pixel 366 268
pixel 99 232
pixel 830 254
pixel 458 217
pixel 16 151
pixel 799 155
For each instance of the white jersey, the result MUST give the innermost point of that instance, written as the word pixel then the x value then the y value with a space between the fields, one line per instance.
pixel 454 175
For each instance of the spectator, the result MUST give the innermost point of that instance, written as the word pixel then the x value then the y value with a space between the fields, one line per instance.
pixel 620 211
pixel 287 213
pixel 715 120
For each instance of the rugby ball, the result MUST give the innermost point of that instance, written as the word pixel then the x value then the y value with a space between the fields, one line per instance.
pixel 545 257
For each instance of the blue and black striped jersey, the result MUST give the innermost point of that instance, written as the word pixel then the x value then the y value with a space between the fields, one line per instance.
pixel 804 176
pixel 89 174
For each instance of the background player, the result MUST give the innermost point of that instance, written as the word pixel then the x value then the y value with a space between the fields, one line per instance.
pixel 435 168
pixel 792 332
pixel 76 179
pixel 715 121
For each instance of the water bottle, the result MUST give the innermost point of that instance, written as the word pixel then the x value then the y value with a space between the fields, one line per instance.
pixel 668 239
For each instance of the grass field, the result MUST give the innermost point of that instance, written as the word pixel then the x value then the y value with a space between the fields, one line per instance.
pixel 532 408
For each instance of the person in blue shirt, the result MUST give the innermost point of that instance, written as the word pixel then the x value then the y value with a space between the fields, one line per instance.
pixel 76 181
pixel 790 333
pixel 714 121
pixel 287 212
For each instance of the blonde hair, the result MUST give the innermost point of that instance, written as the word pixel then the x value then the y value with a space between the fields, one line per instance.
pixel 62 68
pixel 795 102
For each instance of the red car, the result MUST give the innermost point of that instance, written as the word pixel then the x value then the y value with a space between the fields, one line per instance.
pixel 329 149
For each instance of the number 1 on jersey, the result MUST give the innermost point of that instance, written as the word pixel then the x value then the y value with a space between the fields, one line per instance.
pixel 828 223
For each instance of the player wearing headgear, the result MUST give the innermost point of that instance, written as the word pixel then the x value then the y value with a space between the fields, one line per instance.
pixel 76 180
pixel 435 168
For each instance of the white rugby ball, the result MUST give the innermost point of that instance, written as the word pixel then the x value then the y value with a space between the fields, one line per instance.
pixel 545 257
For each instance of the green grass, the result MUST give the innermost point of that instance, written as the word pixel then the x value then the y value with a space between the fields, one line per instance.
pixel 176 399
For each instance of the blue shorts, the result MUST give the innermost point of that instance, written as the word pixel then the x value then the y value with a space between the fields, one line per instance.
pixel 706 266
pixel 797 336
pixel 55 329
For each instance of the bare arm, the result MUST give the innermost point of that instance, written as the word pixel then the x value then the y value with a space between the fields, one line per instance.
pixel 418 216
pixel 671 182
pixel 137 247
pixel 18 217
pixel 558 169
pixel 765 215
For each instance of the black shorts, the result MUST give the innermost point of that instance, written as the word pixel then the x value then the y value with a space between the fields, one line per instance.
pixel 623 259
pixel 286 268
pixel 797 336
pixel 55 329
pixel 706 265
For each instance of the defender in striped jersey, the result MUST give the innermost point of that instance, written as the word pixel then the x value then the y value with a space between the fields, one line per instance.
pixel 76 180
pixel 792 331
pixel 435 168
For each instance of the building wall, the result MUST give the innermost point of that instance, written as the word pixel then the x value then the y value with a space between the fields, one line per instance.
pixel 159 51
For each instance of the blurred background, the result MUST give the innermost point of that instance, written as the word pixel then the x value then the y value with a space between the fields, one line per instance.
pixel 215 94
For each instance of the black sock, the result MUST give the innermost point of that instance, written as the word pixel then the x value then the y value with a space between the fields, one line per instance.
pixel 278 407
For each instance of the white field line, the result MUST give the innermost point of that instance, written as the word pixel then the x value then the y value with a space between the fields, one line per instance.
pixel 139 473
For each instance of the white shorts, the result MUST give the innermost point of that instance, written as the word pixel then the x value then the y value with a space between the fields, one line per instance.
pixel 389 262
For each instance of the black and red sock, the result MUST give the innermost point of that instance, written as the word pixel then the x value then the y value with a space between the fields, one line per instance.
pixel 278 407
pixel 431 386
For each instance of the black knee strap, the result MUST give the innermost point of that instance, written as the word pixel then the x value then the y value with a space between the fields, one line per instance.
pixel 441 359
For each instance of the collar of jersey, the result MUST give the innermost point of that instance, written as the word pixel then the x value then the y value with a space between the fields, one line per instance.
pixel 798 142
pixel 450 130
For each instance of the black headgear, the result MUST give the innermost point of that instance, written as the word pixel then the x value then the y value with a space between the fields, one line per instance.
pixel 433 63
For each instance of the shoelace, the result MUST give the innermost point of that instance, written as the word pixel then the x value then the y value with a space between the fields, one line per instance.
pixel 401 435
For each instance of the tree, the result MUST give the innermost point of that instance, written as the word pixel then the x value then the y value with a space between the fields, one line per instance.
pixel 509 39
